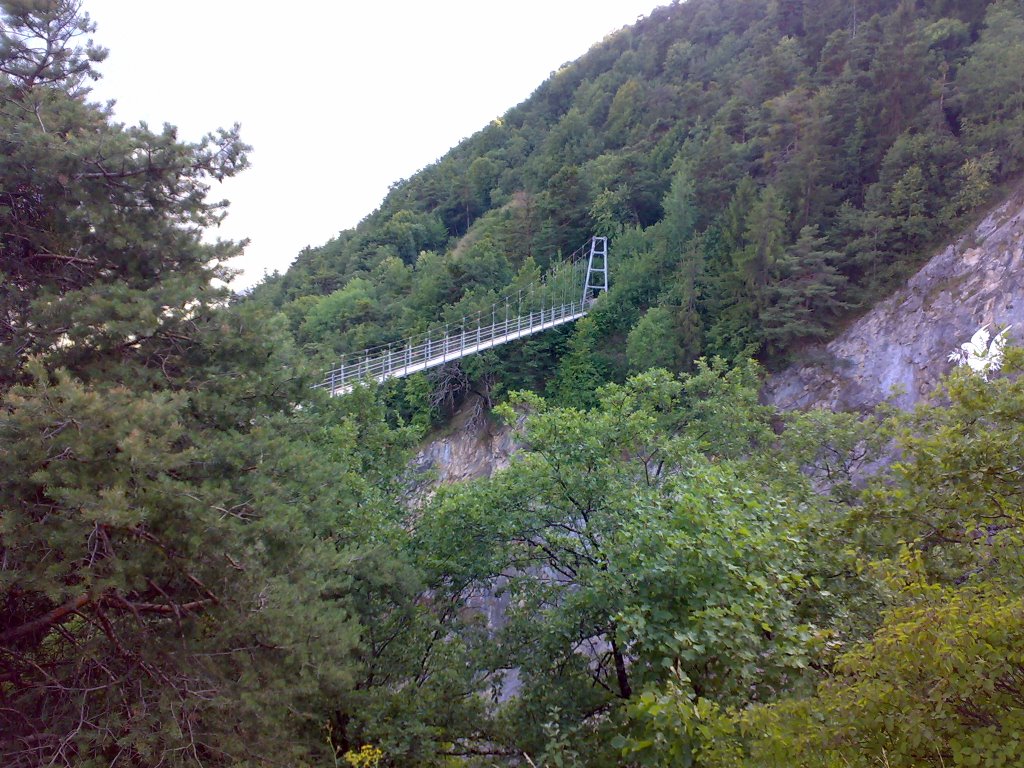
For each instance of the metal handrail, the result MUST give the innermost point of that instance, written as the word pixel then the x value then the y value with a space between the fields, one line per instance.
pixel 399 360
pixel 439 346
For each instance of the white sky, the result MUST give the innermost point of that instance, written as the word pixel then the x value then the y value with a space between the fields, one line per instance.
pixel 338 98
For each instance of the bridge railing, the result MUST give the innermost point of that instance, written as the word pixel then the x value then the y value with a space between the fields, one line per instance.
pixel 410 356
pixel 554 300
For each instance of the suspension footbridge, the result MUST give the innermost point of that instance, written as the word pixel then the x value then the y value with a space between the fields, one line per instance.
pixel 565 294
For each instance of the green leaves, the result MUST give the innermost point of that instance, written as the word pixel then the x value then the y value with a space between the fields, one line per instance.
pixel 938 681
pixel 955 496
pixel 183 523
pixel 27 64
pixel 989 82
pixel 202 560
pixel 939 684
pixel 627 557
pixel 101 250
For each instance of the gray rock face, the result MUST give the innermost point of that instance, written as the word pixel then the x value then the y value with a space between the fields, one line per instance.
pixel 467 452
pixel 899 348
pixel 462 453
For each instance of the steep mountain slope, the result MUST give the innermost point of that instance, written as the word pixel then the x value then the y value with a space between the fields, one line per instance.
pixel 766 169
pixel 899 348
pixel 897 351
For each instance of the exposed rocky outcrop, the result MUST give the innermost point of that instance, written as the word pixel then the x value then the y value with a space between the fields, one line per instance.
pixel 899 348
pixel 467 450
pixel 464 451
pixel 896 351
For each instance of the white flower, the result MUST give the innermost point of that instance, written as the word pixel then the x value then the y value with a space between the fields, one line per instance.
pixel 982 358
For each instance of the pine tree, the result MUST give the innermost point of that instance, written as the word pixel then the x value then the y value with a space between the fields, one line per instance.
pixel 804 295
pixel 765 236
pixel 175 537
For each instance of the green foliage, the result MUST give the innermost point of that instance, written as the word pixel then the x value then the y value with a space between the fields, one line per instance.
pixel 990 86
pixel 204 561
pixel 938 685
pixel 349 308
pixel 410 233
pixel 579 374
pixel 653 342
pixel 803 293
pixel 783 164
pixel 183 521
pixel 955 496
pixel 938 682
pixel 627 556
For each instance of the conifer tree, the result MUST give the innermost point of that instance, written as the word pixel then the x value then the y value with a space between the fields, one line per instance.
pixel 766 238
pixel 175 542
pixel 803 298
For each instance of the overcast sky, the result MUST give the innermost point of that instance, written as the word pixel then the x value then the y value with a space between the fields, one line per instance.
pixel 339 99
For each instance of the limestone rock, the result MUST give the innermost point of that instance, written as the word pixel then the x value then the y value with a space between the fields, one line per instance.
pixel 463 452
pixel 898 349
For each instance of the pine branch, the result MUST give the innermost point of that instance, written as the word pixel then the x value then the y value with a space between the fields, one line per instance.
pixel 58 615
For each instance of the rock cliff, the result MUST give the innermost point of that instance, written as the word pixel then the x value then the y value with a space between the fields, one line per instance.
pixel 899 348
pixel 464 451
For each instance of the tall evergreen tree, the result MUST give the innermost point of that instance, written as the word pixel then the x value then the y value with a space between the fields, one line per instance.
pixel 766 240
pixel 803 298
pixel 176 549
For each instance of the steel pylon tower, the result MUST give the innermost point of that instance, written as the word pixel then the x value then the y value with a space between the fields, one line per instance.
pixel 597 276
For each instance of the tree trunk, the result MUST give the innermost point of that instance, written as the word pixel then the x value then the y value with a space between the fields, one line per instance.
pixel 625 691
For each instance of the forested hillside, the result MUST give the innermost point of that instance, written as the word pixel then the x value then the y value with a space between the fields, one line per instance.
pixel 205 562
pixel 765 169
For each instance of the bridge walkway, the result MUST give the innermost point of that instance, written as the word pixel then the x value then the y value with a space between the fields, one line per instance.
pixel 565 296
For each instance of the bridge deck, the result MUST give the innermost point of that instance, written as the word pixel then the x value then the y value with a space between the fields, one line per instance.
pixel 565 294
pixel 399 361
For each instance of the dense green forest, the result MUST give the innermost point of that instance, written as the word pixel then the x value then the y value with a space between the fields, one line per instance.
pixel 765 169
pixel 206 562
